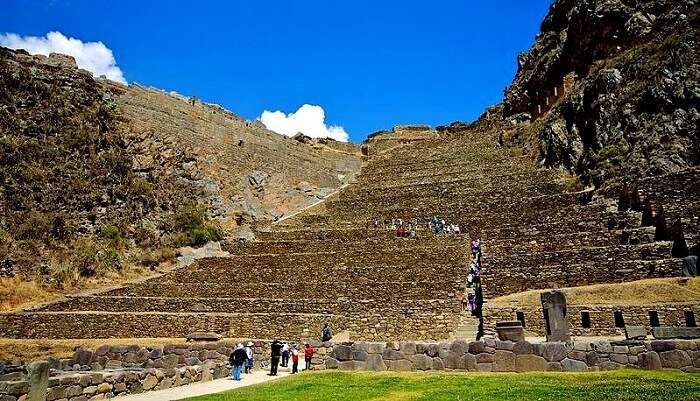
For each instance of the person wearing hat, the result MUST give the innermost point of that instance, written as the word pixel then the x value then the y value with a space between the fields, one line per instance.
pixel 295 359
pixel 249 362
pixel 275 354
pixel 238 359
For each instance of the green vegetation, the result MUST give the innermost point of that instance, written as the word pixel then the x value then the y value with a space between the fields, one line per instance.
pixel 190 226
pixel 622 385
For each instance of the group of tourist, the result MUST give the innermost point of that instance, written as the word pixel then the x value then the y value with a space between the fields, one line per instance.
pixel 408 228
pixel 440 226
pixel 280 355
pixel 241 357
pixel 475 295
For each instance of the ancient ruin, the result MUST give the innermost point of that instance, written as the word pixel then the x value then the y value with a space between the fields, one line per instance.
pixel 582 186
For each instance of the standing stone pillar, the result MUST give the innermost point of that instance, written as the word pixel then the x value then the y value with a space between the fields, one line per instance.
pixel 38 381
pixel 555 319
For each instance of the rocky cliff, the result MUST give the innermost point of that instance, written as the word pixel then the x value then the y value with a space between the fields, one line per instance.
pixel 97 176
pixel 610 90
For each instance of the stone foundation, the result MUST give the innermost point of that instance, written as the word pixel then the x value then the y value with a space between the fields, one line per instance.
pixel 112 370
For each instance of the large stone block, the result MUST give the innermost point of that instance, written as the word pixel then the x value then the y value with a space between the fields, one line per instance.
pixel 522 348
pixel 432 350
pixel 331 363
pixel 504 361
pixel 530 363
pixel 572 365
pixel 38 373
pixel 438 364
pixel 477 347
pixel 408 348
pixel 375 348
pixel 454 361
pixel 342 353
pixel 675 359
pixel 468 361
pixel 423 362
pixel 375 362
pixel 392 355
pixel 459 347
pixel 359 355
pixel 351 365
pixel 554 351
pixel 402 365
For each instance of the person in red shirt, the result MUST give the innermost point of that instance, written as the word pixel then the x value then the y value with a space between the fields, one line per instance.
pixel 308 354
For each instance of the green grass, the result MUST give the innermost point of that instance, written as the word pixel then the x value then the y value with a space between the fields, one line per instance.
pixel 337 386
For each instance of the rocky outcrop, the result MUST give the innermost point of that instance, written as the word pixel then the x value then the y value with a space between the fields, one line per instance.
pixel 610 89
pixel 96 175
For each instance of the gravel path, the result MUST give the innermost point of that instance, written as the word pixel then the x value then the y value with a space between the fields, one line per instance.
pixel 215 386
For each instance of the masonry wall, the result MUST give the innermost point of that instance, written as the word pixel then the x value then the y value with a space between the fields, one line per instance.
pixel 135 369
pixel 602 317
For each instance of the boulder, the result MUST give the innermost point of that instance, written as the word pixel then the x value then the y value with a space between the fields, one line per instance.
pixel 675 359
pixel 554 351
pixel 438 364
pixel 459 347
pixel 468 361
pixel 375 362
pixel 432 350
pixel 476 347
pixel 454 361
pixel 375 348
pixel 392 355
pixel 331 363
pixel 342 352
pixel 523 347
pixel 401 365
pixel 351 365
pixel 572 365
pixel 504 361
pixel 408 348
pixel 530 363
pixel 423 362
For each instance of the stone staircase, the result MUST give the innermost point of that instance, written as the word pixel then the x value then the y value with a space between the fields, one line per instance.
pixel 326 265
pixel 467 329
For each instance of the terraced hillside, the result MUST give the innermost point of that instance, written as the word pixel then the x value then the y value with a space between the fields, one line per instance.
pixel 330 265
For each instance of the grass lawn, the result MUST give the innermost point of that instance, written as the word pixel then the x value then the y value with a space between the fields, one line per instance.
pixel 340 386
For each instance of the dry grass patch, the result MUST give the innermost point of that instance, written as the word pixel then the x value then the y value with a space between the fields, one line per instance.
pixel 15 293
pixel 664 290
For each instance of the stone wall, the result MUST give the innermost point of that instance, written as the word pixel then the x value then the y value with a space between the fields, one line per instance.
pixel 602 317
pixel 507 356
pixel 112 370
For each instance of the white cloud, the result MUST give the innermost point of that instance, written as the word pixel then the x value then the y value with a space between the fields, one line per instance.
pixel 92 56
pixel 309 120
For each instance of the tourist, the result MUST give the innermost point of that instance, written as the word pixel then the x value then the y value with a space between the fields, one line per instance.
pixel 476 248
pixel 326 333
pixel 250 361
pixel 412 233
pixel 456 229
pixel 285 355
pixel 275 354
pixel 308 354
pixel 475 271
pixel 295 359
pixel 237 359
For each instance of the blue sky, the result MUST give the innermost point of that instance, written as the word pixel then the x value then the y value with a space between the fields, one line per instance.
pixel 370 65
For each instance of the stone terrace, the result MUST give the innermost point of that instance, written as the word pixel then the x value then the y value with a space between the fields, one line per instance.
pixel 326 265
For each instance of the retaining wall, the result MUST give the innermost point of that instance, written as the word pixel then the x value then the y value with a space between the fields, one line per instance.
pixel 134 369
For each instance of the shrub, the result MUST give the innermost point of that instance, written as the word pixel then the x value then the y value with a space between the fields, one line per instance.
pixel 191 226
pixel 112 235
